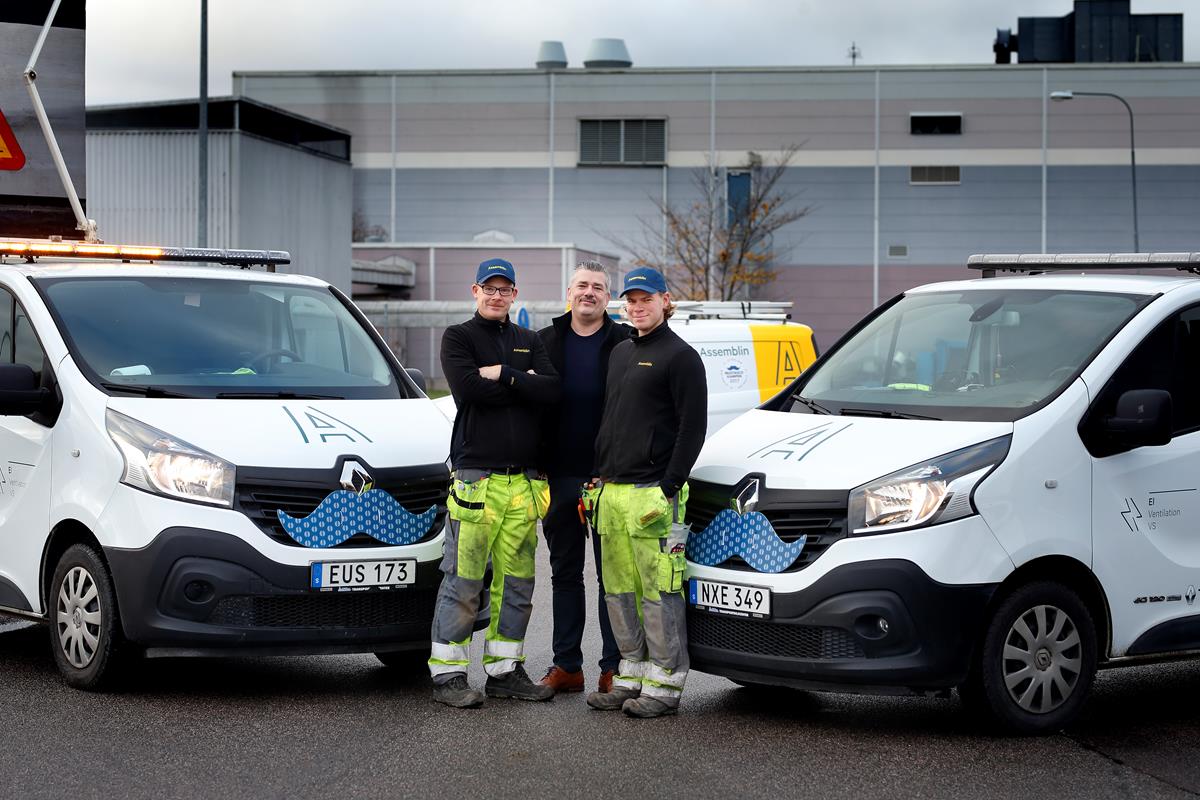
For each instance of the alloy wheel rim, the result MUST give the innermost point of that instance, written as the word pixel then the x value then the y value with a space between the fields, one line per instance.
pixel 78 617
pixel 1042 661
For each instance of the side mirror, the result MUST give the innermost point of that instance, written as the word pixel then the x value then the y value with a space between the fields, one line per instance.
pixel 19 391
pixel 1142 418
pixel 417 377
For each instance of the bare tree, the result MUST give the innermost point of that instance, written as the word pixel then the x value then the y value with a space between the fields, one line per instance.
pixel 363 231
pixel 707 250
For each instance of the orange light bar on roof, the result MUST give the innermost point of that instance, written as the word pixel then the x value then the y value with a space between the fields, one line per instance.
pixel 97 249
pixel 31 248
pixel 142 252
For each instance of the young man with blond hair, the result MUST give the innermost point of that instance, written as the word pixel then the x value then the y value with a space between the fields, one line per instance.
pixel 655 416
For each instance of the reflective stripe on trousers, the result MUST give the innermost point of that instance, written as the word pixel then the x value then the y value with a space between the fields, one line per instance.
pixel 498 521
pixel 641 555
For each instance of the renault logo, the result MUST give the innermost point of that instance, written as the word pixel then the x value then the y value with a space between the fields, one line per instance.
pixel 355 478
pixel 746 499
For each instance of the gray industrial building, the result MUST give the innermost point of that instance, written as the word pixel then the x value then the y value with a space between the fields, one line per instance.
pixel 905 170
pixel 275 181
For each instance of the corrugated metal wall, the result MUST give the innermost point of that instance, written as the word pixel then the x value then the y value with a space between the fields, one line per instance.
pixel 143 188
pixel 295 201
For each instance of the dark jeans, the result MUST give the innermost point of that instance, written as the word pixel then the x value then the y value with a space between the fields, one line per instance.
pixel 566 538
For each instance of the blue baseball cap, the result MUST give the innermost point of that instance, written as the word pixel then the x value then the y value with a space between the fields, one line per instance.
pixel 496 267
pixel 647 279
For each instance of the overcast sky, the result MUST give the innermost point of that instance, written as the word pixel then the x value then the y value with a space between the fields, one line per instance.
pixel 148 49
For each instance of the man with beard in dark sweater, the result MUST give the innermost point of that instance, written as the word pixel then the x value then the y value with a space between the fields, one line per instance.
pixel 655 416
pixel 579 344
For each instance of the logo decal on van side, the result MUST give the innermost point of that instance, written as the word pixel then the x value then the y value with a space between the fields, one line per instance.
pixel 799 445
pixel 323 426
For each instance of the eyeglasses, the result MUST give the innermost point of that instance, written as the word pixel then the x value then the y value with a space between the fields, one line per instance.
pixel 503 291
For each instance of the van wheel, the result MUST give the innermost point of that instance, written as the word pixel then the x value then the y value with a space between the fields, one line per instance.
pixel 1037 662
pixel 404 660
pixel 85 629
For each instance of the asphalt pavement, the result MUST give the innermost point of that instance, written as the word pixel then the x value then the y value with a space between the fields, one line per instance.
pixel 345 726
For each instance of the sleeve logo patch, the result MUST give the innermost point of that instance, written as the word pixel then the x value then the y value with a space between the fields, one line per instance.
pixel 645 363
pixel 520 349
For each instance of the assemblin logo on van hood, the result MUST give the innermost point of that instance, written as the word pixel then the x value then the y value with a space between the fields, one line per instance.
pixel 816 451
pixel 742 531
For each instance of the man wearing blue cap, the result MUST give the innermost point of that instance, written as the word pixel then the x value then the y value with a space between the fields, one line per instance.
pixel 501 379
pixel 655 416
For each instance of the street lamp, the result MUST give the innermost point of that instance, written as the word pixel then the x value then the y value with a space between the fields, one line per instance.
pixel 1062 96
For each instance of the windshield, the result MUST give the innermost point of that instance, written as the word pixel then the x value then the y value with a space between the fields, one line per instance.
pixel 972 355
pixel 198 337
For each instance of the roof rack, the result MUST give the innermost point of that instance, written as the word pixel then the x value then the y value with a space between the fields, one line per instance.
pixel 1036 263
pixel 33 249
pixel 761 310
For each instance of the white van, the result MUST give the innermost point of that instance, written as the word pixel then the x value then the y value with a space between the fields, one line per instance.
pixel 991 485
pixel 200 460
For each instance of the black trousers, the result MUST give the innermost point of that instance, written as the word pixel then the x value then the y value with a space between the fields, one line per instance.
pixel 566 539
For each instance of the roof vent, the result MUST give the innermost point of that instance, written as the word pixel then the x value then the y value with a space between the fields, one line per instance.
pixel 607 53
pixel 494 236
pixel 551 55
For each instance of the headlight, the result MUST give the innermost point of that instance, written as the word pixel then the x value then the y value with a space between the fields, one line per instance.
pixel 937 490
pixel 159 463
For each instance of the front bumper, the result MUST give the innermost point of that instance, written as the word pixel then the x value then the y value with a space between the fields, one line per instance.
pixel 827 635
pixel 242 602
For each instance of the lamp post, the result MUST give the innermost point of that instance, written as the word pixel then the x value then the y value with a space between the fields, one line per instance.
pixel 1062 96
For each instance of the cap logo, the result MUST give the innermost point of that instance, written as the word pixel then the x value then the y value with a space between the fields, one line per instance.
pixel 498 266
pixel 637 278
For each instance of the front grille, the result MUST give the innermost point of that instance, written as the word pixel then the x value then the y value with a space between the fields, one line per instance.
pixel 260 496
pixel 326 609
pixel 821 516
pixel 810 642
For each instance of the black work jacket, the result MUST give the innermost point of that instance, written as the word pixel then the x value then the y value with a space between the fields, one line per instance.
pixel 655 411
pixel 553 336
pixel 498 423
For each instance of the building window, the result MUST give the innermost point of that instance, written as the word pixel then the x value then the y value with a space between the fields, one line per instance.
pixel 897 251
pixel 737 196
pixel 934 124
pixel 938 176
pixel 623 141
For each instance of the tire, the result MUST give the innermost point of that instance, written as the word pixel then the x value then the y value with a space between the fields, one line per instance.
pixel 405 660
pixel 85 626
pixel 1037 660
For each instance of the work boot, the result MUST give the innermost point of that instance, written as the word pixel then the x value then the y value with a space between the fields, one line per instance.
pixel 458 693
pixel 516 684
pixel 611 701
pixel 560 680
pixel 604 685
pixel 648 707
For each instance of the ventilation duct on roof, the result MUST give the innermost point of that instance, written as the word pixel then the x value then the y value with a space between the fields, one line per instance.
pixel 607 54
pixel 551 55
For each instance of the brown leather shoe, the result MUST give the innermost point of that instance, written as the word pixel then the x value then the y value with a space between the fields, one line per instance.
pixel 561 681
pixel 605 683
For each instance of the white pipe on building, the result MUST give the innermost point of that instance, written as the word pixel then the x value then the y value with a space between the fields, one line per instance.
pixel 1045 116
pixel 875 238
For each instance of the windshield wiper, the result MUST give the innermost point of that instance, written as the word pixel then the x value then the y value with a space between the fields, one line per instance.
pixel 276 396
pixel 143 390
pixel 886 413
pixel 812 405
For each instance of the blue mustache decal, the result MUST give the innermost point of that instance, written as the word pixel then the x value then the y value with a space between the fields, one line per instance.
pixel 749 536
pixel 343 513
